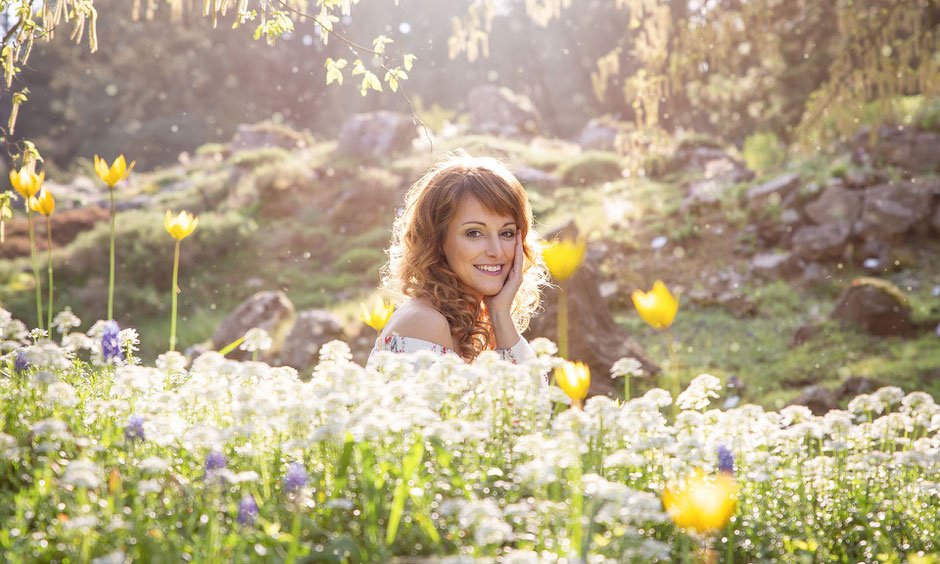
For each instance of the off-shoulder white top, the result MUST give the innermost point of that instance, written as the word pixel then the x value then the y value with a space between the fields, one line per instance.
pixel 519 353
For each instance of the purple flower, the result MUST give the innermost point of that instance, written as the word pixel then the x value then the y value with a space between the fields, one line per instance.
pixel 134 430
pixel 110 344
pixel 21 363
pixel 295 477
pixel 725 460
pixel 215 460
pixel 247 509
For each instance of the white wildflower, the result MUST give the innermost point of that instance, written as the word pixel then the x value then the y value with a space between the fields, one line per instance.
pixel 75 341
pixel 65 321
pixel 543 346
pixel 256 339
pixel 660 397
pixel 60 394
pixel 149 486
pixel 82 474
pixel 48 355
pixel 626 366
pixel 701 388
pixel 37 334
pixel 153 465
pixel 51 429
pixel 42 378
pixel 865 404
pixel 889 396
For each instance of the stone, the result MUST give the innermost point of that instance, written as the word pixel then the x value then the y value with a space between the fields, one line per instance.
pixel 773 192
pixel 376 134
pixel 893 209
pixel 600 134
pixel 311 330
pixel 877 305
pixel 856 386
pixel 271 311
pixel 500 111
pixel 530 176
pixel 771 264
pixel 835 204
pixel 803 333
pixel 593 336
pixel 703 194
pixel 266 134
pixel 907 148
pixel 819 399
pixel 816 242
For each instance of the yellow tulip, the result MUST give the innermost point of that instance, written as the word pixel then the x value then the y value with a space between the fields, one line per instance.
pixel 115 173
pixel 657 307
pixel 180 226
pixel 377 317
pixel 563 257
pixel 701 503
pixel 574 378
pixel 44 203
pixel 26 181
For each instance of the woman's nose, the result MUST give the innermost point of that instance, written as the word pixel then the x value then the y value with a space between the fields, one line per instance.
pixel 493 247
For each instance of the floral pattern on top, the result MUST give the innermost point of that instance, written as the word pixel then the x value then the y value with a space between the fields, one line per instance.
pixel 520 352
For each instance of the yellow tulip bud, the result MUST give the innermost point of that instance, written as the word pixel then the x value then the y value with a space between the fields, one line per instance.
pixel 44 203
pixel 26 181
pixel 115 173
pixel 702 504
pixel 574 378
pixel 180 226
pixel 657 307
pixel 378 315
pixel 563 257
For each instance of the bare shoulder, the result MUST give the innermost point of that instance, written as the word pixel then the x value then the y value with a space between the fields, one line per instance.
pixel 419 320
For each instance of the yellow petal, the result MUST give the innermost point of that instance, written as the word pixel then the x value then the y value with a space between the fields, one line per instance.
pixel 656 307
pixel 563 257
pixel 574 379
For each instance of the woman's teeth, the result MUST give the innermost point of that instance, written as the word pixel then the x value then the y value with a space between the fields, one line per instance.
pixel 489 268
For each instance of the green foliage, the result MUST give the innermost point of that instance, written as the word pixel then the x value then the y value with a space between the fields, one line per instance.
pixel 928 118
pixel 252 158
pixel 592 167
pixel 763 151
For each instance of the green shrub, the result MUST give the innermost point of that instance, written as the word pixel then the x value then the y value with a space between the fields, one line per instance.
pixel 592 167
pixel 763 151
pixel 256 157
pixel 360 260
pixel 928 118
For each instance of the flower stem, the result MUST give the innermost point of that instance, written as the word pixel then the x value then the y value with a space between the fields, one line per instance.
pixel 173 291
pixel 32 252
pixel 674 369
pixel 626 387
pixel 562 321
pixel 49 238
pixel 111 275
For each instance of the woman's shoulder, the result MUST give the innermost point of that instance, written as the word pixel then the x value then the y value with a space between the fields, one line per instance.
pixel 420 320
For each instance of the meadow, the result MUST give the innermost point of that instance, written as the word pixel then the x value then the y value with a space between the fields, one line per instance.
pixel 108 460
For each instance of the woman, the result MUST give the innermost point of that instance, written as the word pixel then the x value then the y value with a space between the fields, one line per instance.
pixel 463 264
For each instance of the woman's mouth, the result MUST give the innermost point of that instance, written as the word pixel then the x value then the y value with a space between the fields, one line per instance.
pixel 492 269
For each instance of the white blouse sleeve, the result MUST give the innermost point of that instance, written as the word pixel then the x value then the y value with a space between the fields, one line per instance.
pixel 520 353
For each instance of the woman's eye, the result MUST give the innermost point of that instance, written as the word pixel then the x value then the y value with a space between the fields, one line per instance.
pixel 509 234
pixel 473 233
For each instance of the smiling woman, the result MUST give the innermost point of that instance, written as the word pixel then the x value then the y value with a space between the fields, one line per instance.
pixel 464 263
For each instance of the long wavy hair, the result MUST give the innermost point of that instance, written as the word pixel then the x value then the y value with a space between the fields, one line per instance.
pixel 416 265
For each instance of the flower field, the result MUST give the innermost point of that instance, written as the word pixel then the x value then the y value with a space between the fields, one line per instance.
pixel 105 460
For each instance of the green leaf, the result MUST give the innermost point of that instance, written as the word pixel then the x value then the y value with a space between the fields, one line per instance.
pixel 408 466
pixel 231 346
pixel 409 61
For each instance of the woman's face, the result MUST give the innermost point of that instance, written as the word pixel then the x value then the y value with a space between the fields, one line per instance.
pixel 480 246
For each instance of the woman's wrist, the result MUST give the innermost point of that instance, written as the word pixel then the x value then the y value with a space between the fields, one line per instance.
pixel 504 330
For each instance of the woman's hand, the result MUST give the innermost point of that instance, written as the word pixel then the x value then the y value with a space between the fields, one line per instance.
pixel 500 305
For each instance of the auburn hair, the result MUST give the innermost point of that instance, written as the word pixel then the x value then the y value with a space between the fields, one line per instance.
pixel 417 267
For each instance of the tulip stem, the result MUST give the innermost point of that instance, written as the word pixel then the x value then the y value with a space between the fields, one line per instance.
pixel 674 369
pixel 173 292
pixel 562 321
pixel 111 275
pixel 49 238
pixel 626 387
pixel 32 252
